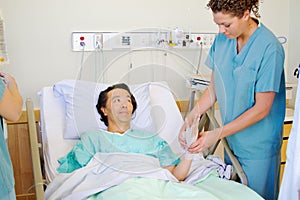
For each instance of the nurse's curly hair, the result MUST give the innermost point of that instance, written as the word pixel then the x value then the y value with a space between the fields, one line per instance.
pixel 234 7
pixel 102 100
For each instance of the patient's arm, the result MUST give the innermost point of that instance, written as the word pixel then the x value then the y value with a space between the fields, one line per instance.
pixel 179 167
pixel 181 170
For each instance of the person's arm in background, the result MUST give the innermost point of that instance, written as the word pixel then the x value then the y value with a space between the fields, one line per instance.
pixel 11 102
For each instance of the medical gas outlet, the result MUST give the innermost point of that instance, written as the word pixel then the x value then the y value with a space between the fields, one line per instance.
pixel 91 41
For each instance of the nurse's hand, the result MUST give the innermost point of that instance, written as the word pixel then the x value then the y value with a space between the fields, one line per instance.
pixel 205 140
pixel 9 81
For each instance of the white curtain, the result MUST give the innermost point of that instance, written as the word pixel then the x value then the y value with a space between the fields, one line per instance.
pixel 290 185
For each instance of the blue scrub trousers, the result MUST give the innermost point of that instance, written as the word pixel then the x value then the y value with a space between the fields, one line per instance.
pixel 10 196
pixel 262 175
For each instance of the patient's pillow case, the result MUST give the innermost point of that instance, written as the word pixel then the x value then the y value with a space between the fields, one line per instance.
pixel 80 106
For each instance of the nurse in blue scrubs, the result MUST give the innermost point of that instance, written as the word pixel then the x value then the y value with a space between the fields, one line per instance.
pixel 10 108
pixel 247 81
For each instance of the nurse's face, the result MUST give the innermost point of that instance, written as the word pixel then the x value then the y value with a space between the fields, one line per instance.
pixel 229 25
pixel 118 107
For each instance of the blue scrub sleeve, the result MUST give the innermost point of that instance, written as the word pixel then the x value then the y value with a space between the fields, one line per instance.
pixel 2 88
pixel 271 70
pixel 209 62
pixel 6 169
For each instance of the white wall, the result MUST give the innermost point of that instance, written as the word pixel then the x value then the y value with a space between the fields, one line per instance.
pixel 38 32
pixel 294 41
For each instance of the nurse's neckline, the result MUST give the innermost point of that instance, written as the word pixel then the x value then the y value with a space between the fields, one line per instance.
pixel 242 41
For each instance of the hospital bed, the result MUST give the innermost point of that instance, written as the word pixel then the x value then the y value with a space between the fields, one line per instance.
pixel 68 110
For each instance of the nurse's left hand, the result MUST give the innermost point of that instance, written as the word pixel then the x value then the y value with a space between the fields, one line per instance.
pixel 205 140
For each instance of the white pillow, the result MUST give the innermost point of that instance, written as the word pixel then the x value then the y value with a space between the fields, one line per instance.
pixel 166 114
pixel 80 104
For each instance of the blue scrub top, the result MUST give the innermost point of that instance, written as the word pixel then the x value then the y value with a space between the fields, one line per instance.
pixel 134 141
pixel 6 169
pixel 258 67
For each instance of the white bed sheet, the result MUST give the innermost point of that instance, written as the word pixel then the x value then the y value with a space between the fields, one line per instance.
pixel 52 126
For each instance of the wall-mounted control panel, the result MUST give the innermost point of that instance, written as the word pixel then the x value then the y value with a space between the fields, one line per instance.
pixel 91 41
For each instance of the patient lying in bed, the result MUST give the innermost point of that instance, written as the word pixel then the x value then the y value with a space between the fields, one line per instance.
pixel 124 163
pixel 116 105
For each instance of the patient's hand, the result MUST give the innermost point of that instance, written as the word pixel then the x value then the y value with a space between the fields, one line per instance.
pixel 181 136
pixel 189 133
pixel 189 121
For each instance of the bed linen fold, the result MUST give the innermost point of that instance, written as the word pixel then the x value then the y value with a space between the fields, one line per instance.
pixel 106 170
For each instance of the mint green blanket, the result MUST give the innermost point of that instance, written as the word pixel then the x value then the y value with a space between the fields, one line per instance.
pixel 136 176
pixel 211 187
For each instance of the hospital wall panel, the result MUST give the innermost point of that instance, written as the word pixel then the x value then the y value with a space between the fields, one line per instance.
pixel 39 39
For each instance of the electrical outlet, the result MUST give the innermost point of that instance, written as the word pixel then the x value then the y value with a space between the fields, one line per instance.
pixel 208 40
pixel 204 39
pixel 98 38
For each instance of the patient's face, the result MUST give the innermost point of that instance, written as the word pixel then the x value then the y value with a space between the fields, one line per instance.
pixel 118 107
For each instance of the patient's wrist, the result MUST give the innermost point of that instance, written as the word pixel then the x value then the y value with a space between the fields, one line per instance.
pixel 187 156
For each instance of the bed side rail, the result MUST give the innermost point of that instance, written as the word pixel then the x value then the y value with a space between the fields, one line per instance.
pixel 35 156
pixel 209 122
